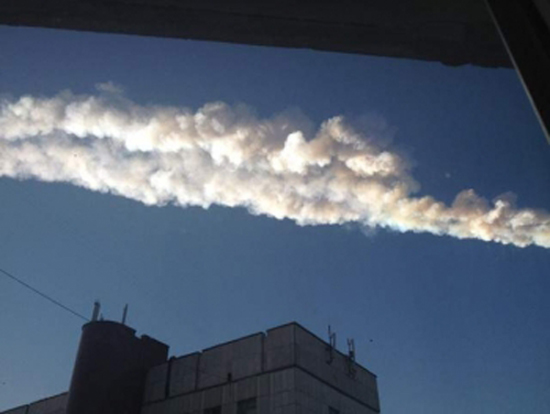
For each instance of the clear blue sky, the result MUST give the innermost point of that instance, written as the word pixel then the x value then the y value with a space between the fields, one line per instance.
pixel 456 325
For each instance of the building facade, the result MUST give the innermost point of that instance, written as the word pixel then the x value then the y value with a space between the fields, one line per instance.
pixel 286 370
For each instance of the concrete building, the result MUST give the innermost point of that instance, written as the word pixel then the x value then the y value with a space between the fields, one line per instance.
pixel 286 370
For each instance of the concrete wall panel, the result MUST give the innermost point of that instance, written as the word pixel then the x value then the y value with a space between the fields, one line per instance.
pixel 212 397
pixel 155 383
pixel 313 355
pixel 18 410
pixel 314 397
pixel 247 388
pixel 240 358
pixel 274 393
pixel 279 347
pixel 53 405
pixel 183 374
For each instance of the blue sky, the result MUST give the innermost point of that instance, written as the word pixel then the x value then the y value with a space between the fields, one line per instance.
pixel 455 324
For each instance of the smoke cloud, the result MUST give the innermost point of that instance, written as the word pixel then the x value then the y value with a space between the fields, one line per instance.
pixel 279 167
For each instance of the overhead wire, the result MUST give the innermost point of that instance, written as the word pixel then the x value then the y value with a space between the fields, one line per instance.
pixel 75 234
pixel 42 294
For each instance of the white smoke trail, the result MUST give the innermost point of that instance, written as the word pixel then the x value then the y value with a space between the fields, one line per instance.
pixel 226 156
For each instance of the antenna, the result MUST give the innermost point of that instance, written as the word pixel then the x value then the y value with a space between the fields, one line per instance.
pixel 124 314
pixel 351 349
pixel 331 345
pixel 95 313
pixel 332 338
pixel 352 371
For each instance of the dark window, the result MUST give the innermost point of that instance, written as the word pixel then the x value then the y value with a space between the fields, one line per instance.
pixel 213 410
pixel 332 410
pixel 247 406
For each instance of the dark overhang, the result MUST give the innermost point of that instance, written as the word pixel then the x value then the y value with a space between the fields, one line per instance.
pixel 449 31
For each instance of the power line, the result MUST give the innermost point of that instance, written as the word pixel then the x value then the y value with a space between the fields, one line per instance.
pixel 52 300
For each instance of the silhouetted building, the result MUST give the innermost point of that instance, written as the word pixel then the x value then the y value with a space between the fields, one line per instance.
pixel 287 370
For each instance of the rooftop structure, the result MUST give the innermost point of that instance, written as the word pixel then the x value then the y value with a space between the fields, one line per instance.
pixel 287 369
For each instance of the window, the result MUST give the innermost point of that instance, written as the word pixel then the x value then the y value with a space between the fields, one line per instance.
pixel 213 410
pixel 247 406
pixel 319 139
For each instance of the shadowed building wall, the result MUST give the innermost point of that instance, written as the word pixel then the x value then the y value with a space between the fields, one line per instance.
pixel 110 369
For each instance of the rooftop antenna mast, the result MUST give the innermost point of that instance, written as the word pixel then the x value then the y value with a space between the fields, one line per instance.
pixel 95 313
pixel 352 371
pixel 331 345
pixel 124 314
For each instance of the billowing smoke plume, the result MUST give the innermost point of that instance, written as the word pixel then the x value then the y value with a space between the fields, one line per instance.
pixel 225 155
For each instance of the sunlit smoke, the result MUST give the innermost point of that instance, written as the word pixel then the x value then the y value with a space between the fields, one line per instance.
pixel 279 167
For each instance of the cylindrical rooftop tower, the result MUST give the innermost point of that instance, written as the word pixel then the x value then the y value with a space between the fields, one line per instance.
pixel 110 369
